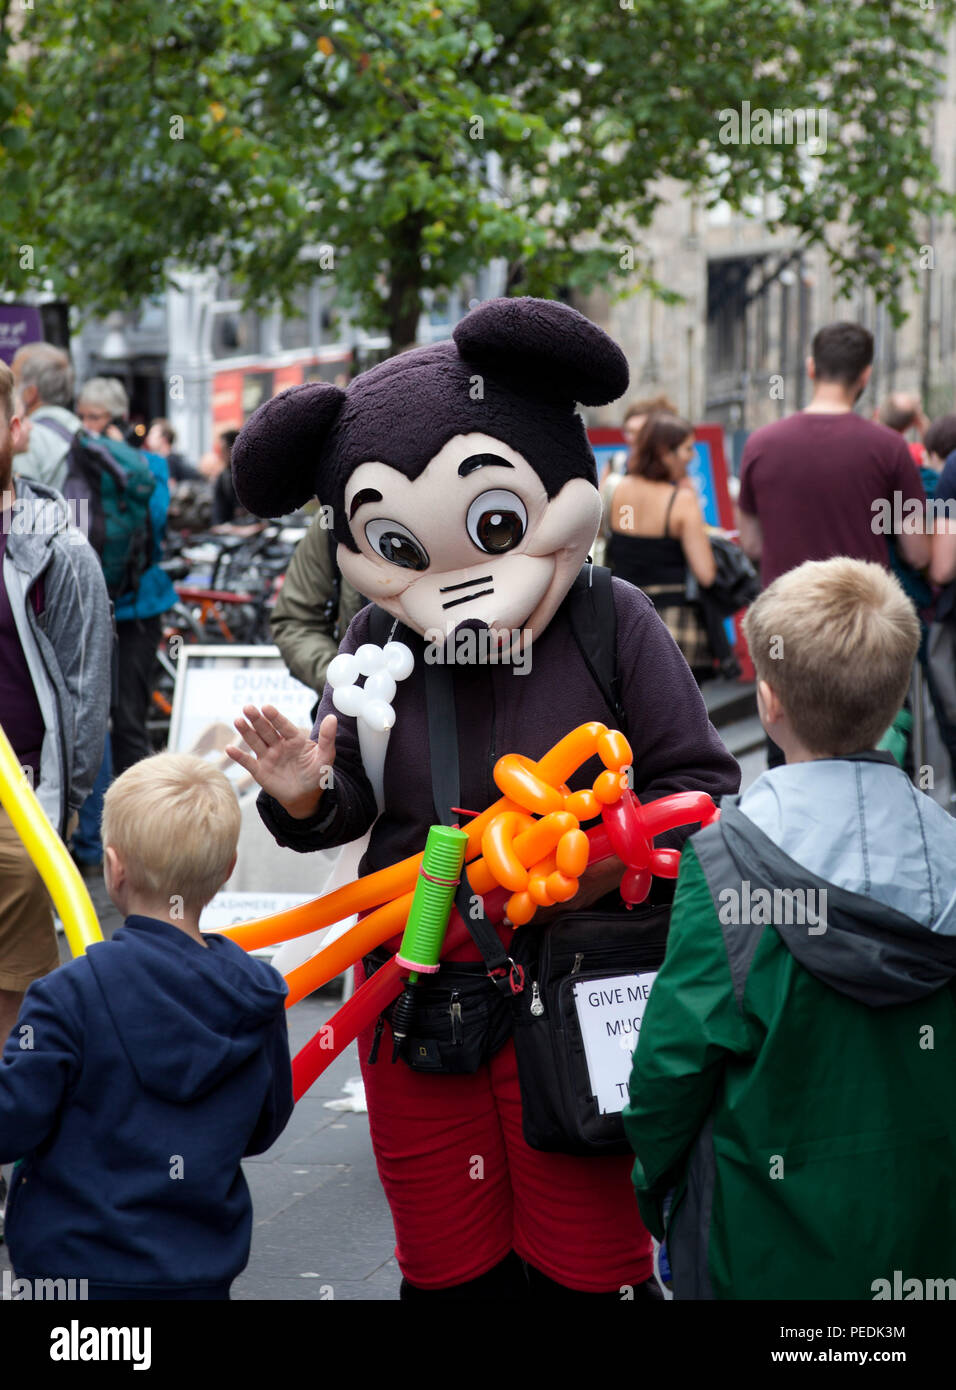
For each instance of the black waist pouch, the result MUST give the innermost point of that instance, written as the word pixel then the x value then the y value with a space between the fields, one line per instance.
pixel 461 1018
pixel 598 965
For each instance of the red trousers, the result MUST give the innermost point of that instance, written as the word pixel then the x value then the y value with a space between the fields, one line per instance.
pixel 464 1187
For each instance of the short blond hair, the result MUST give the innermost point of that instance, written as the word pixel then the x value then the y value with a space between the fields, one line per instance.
pixel 836 641
pixel 173 819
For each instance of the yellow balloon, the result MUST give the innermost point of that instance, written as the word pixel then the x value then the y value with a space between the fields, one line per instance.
pixel 48 852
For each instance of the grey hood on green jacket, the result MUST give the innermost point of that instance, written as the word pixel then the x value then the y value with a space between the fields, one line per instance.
pixel 876 855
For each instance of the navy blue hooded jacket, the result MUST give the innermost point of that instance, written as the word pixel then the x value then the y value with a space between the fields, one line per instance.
pixel 133 1083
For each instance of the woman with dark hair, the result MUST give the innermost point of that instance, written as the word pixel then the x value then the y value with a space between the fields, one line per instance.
pixel 634 418
pixel 657 533
pixel 939 442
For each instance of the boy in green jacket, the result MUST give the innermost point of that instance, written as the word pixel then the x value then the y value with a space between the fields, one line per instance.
pixel 794 1084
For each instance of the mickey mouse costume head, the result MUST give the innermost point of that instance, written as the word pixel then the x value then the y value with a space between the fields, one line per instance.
pixel 462 485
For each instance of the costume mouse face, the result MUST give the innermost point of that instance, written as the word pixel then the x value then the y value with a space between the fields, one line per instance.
pixel 462 486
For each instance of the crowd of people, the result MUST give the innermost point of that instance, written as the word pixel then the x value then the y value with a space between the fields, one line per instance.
pixel 787 1070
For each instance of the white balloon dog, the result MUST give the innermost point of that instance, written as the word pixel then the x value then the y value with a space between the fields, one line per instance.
pixel 370 704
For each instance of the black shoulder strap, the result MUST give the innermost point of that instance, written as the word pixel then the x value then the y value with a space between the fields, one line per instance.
pixel 380 626
pixel 667 514
pixel 443 752
pixel 593 618
pixel 57 427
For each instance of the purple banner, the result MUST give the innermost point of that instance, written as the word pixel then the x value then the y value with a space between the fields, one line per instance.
pixel 19 324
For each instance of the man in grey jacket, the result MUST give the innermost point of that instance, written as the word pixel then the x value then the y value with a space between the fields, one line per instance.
pixel 55 650
pixel 43 377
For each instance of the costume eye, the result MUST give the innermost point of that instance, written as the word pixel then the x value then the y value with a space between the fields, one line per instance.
pixel 396 544
pixel 496 521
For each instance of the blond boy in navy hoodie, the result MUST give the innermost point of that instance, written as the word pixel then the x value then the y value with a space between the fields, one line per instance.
pixel 138 1076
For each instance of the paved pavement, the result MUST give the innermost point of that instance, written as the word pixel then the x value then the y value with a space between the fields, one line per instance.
pixel 322 1225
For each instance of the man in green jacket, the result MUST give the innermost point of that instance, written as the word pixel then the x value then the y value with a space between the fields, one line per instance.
pixel 793 1096
pixel 314 608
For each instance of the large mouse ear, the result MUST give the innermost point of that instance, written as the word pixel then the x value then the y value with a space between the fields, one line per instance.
pixel 276 457
pixel 548 346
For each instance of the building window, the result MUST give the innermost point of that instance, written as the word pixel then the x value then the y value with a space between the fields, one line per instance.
pixel 294 331
pixel 236 334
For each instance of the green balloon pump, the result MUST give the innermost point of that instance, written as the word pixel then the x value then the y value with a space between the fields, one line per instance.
pixel 438 880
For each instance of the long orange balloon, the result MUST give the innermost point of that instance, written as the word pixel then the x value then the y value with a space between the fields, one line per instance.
pixel 359 896
pixel 370 932
pixel 323 912
pixel 390 919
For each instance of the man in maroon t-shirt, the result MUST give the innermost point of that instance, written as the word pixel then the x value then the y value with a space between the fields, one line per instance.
pixel 826 482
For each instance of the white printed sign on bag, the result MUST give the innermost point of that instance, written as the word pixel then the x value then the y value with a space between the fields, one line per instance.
pixel 610 1013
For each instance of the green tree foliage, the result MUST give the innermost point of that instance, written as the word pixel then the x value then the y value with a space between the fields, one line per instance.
pixel 418 140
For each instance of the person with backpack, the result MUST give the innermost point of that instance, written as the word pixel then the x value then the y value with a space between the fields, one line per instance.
pixel 55 638
pixel 125 493
pixel 43 378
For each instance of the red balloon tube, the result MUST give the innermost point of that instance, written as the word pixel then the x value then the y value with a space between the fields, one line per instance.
pixel 357 1013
